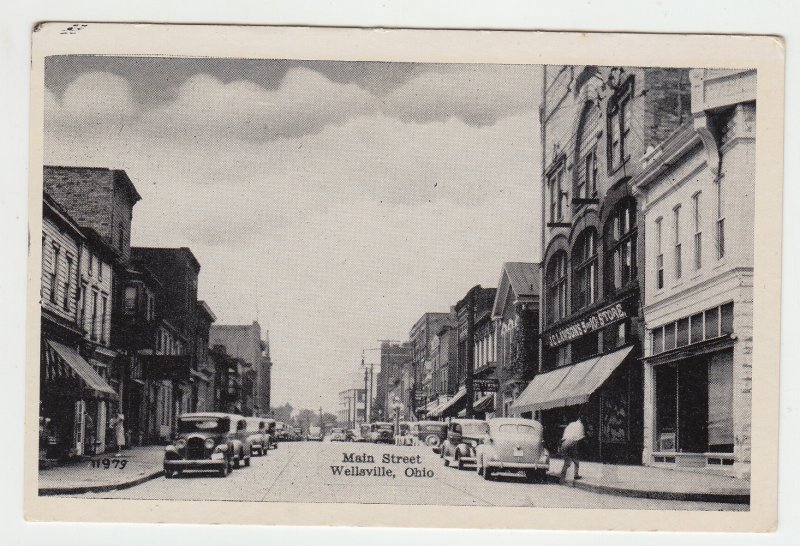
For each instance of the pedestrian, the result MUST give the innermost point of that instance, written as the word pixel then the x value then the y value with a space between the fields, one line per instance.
pixel 574 433
pixel 118 424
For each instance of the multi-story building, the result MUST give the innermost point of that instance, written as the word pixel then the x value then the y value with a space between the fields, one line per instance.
pixel 395 358
pixel 596 125
pixel 203 378
pixel 484 364
pixel 697 191
pixel 421 336
pixel 244 342
pixel 516 318
pixel 75 395
pixel 352 407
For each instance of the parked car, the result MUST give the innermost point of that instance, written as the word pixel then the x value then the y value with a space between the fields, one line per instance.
pixel 516 445
pixel 463 436
pixel 281 431
pixel 296 434
pixel 314 434
pixel 381 432
pixel 361 434
pixel 208 441
pixel 257 435
pixel 271 425
pixel 338 435
pixel 405 438
pixel 430 433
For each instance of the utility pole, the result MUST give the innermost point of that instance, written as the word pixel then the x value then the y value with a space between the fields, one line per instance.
pixel 366 390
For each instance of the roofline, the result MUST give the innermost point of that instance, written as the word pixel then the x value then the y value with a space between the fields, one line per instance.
pixel 664 156
pixel 59 212
pixel 184 249
pixel 205 307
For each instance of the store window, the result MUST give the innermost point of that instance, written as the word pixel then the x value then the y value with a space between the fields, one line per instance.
pixel 557 287
pixel 710 324
pixel 620 243
pixel 584 260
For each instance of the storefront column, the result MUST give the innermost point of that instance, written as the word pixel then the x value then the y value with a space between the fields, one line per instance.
pixel 649 415
pixel 742 383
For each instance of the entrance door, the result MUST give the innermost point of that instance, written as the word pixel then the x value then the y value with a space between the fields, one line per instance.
pixel 79 427
pixel 693 405
pixel 666 387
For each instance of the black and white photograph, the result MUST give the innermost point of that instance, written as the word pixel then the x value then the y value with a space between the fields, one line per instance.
pixel 365 282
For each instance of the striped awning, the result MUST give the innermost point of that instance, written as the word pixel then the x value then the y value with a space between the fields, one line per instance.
pixel 484 404
pixel 450 406
pixel 570 385
pixel 63 361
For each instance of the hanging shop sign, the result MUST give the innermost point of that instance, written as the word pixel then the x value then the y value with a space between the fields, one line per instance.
pixel 592 322
pixel 484 385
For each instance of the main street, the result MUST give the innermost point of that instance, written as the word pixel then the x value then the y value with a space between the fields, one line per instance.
pixel 301 472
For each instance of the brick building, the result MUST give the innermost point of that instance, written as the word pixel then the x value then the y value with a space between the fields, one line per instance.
pixel 244 342
pixel 697 193
pixel 395 358
pixel 596 125
pixel 421 338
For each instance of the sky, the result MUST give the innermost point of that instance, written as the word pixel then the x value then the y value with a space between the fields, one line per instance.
pixel 334 202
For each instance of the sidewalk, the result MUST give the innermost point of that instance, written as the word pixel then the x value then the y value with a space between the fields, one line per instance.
pixel 142 464
pixel 655 483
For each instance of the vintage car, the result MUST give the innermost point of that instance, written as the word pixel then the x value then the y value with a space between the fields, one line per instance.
pixel 257 435
pixel 208 441
pixel 338 435
pixel 315 434
pixel 296 434
pixel 281 431
pixel 463 436
pixel 514 445
pixel 271 431
pixel 381 432
pixel 430 433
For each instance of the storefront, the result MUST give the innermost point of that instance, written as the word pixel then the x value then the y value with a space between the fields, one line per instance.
pixel 75 403
pixel 690 385
pixel 603 385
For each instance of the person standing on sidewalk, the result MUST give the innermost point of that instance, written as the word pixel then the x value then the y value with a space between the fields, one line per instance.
pixel 574 433
pixel 118 424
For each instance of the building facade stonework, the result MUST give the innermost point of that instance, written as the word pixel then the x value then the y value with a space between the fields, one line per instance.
pixel 697 194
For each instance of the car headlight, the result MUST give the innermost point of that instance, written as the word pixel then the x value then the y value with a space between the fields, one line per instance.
pixel 209 443
pixel 180 443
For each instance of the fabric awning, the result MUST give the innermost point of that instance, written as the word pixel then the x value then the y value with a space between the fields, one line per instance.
pixel 199 375
pixel 570 385
pixel 484 404
pixel 450 405
pixel 76 365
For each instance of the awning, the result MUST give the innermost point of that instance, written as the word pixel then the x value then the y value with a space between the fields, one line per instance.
pixel 74 364
pixel 484 404
pixel 450 406
pixel 570 385
pixel 199 375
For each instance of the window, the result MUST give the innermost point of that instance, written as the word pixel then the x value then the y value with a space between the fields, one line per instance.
pixel 584 259
pixel 150 312
pixel 698 235
pixel 68 283
pixel 676 213
pixel 91 263
pixel 555 184
pixel 93 326
pixel 720 221
pixel 103 311
pixel 710 324
pixel 619 125
pixel 586 153
pixel 130 300
pixel 54 272
pixel 82 320
pixel 620 236
pixel 99 270
pixel 659 257
pixel 557 287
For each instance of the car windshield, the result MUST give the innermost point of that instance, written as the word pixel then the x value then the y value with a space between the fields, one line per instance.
pixel 384 427
pixel 475 429
pixel 203 424
pixel 513 428
pixel 432 428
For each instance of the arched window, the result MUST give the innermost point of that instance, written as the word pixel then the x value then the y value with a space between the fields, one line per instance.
pixel 557 287
pixel 586 153
pixel 584 270
pixel 620 244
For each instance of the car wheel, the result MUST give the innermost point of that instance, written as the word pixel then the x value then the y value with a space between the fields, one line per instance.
pixel 432 440
pixel 169 474
pixel 487 473
pixel 446 461
pixel 226 469
pixel 237 461
pixel 531 476
pixel 459 462
pixel 479 467
pixel 247 461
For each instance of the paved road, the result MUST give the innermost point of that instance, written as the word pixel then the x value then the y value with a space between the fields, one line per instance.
pixel 301 472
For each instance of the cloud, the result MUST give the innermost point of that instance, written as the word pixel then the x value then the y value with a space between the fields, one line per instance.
pixel 93 101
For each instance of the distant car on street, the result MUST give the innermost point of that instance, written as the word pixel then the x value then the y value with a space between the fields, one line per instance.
pixel 296 434
pixel 257 435
pixel 338 435
pixel 281 431
pixel 208 441
pixel 430 433
pixel 381 432
pixel 513 445
pixel 314 434
pixel 463 437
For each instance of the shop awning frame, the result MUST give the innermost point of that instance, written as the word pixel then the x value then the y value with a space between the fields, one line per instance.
pixel 73 364
pixel 570 385
pixel 440 410
pixel 484 404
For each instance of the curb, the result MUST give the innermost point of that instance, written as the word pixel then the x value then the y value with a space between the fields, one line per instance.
pixel 727 498
pixel 47 491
